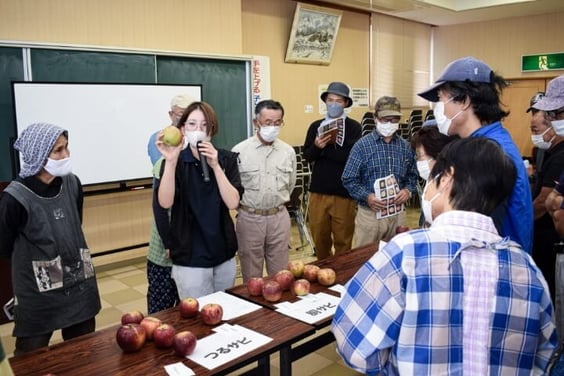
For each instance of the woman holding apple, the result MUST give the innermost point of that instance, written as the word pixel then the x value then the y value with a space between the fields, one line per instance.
pixel 53 277
pixel 202 234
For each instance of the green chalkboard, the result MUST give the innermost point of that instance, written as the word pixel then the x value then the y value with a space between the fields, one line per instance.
pixel 11 69
pixel 224 84
pixel 49 65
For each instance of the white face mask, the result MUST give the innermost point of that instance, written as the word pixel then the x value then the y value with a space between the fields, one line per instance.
pixel 558 126
pixel 424 169
pixel 539 141
pixel 387 129
pixel 192 137
pixel 427 205
pixel 58 167
pixel 443 122
pixel 269 132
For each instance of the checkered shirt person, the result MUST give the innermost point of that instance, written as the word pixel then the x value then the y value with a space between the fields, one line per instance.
pixel 411 309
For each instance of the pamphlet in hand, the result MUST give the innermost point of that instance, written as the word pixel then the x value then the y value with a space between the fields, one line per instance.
pixel 331 127
pixel 386 189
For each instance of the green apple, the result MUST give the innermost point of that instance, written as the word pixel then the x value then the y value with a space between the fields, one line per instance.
pixel 172 136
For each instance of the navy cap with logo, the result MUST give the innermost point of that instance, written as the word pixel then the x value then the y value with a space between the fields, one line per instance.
pixel 465 69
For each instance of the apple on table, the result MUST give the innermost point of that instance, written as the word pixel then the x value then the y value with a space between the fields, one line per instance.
pixel 254 286
pixel 211 313
pixel 184 343
pixel 163 336
pixel 189 307
pixel 272 291
pixel 301 287
pixel 284 278
pixel 150 323
pixel 131 337
pixel 133 317
pixel 326 276
pixel 296 267
pixel 310 272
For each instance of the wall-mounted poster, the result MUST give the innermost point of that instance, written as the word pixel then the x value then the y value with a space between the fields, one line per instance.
pixel 313 35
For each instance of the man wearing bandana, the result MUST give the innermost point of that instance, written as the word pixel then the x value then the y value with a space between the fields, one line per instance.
pixel 331 209
pixel 53 278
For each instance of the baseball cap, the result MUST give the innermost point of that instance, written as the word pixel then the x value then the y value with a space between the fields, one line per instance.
pixel 534 99
pixel 554 97
pixel 181 100
pixel 464 69
pixel 387 106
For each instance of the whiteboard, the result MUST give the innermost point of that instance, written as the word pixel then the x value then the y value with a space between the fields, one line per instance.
pixel 109 125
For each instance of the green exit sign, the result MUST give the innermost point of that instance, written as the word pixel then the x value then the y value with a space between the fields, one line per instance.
pixel 542 62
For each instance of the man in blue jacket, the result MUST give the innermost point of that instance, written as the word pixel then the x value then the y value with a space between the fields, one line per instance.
pixel 467 96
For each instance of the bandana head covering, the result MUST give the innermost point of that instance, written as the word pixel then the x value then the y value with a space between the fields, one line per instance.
pixel 35 144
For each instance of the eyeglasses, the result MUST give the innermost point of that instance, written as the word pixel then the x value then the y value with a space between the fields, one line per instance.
pixel 389 119
pixel 268 123
pixel 193 125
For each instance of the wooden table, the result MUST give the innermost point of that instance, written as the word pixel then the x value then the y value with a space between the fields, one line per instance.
pixel 345 266
pixel 98 353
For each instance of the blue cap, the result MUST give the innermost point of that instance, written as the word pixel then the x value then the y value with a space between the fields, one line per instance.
pixel 464 69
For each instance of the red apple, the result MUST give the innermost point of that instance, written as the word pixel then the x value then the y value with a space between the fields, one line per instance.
pixel 272 291
pixel 211 313
pixel 284 278
pixel 310 272
pixel 172 135
pixel 254 286
pixel 296 267
pixel 163 336
pixel 133 317
pixel 401 229
pixel 301 287
pixel 189 307
pixel 184 343
pixel 150 323
pixel 326 276
pixel 131 337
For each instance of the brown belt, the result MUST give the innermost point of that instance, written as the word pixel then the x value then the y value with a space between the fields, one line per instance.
pixel 264 212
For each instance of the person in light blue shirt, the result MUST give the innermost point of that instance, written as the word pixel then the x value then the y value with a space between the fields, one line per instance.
pixel 455 298
pixel 467 96
pixel 161 289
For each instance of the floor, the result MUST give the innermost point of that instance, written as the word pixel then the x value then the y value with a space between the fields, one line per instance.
pixel 123 288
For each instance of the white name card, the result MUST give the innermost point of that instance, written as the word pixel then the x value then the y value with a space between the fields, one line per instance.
pixel 229 342
pixel 310 308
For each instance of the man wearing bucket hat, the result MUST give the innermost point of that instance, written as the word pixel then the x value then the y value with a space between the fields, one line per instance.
pixel 331 209
pixel 53 278
pixel 467 96
pixel 384 156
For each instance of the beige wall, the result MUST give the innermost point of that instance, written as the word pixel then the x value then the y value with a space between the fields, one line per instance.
pixel 501 43
pixel 210 26
pixel 266 31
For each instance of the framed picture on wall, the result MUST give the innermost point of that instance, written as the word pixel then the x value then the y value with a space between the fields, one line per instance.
pixel 313 35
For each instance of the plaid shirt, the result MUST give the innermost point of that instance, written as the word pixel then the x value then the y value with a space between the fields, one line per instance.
pixel 371 158
pixel 406 310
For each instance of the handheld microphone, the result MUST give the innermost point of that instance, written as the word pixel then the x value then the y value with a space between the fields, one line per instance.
pixel 204 162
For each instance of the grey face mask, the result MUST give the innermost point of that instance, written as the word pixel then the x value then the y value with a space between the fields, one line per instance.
pixel 334 109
